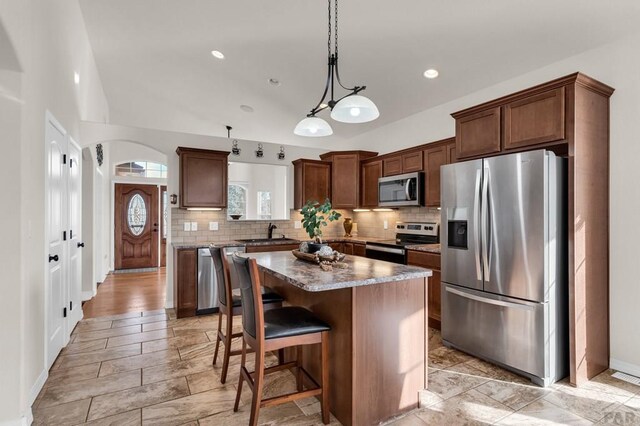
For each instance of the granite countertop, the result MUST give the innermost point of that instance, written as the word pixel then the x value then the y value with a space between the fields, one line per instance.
pixel 274 241
pixel 310 277
pixel 431 248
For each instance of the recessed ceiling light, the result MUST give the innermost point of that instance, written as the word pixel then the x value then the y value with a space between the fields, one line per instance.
pixel 76 78
pixel 246 108
pixel 274 82
pixel 217 54
pixel 431 73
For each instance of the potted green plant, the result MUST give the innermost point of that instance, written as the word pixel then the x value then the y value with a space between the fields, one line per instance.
pixel 314 217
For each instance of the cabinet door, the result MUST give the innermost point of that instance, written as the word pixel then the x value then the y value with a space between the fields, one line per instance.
pixel 203 180
pixel 435 314
pixel 392 166
pixel 344 181
pixel 186 283
pixel 371 172
pixel 312 181
pixel 336 246
pixel 451 153
pixel 412 162
pixel 534 120
pixel 478 134
pixel 347 248
pixel 359 250
pixel 430 261
pixel 434 158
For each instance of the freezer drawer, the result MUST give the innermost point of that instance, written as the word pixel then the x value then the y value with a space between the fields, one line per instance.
pixel 508 331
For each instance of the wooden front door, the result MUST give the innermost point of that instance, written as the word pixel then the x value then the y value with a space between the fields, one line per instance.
pixel 136 226
pixel 164 199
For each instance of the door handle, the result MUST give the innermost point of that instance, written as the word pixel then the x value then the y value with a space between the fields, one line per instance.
pixel 485 225
pixel 53 258
pixel 476 225
pixel 406 189
pixel 503 303
pixel 80 245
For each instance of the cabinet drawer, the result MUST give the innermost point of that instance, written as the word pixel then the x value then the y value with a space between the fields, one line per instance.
pixel 424 259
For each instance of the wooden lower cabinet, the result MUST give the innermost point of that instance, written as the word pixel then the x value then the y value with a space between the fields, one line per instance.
pixel 359 250
pixel 185 282
pixel 339 247
pixel 430 261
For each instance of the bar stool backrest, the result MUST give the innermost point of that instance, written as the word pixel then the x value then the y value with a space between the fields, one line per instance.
pixel 249 283
pixel 221 271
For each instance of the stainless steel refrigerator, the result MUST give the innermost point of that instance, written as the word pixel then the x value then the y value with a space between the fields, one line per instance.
pixel 504 262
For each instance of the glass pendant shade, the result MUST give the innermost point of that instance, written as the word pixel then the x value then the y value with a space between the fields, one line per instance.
pixel 313 127
pixel 355 109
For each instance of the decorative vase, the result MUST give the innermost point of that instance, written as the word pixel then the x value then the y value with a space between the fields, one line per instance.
pixel 314 247
pixel 348 226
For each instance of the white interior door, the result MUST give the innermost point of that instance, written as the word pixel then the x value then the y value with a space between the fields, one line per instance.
pixel 55 290
pixel 75 244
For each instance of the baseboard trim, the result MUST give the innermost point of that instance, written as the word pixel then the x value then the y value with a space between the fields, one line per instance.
pixel 87 295
pixel 37 386
pixel 625 367
pixel 25 420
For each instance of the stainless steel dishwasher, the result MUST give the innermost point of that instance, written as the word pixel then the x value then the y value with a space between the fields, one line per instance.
pixel 207 281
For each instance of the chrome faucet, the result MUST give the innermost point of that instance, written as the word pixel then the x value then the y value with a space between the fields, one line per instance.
pixel 272 226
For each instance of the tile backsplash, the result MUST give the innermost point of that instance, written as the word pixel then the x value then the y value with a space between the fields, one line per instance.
pixel 371 224
pixel 367 224
pixel 229 230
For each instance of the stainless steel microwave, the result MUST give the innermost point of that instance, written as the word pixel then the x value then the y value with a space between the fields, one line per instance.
pixel 401 190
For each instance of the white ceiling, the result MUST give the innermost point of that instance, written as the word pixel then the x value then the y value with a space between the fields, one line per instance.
pixel 157 71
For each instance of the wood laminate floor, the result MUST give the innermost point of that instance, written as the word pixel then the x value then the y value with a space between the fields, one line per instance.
pixel 131 292
pixel 148 368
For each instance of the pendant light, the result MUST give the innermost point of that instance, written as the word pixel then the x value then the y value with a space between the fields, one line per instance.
pixel 351 108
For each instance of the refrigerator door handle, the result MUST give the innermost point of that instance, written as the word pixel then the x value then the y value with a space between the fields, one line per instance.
pixel 485 225
pixel 490 301
pixel 476 237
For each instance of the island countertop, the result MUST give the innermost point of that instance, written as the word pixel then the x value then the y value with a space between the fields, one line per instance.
pixel 310 277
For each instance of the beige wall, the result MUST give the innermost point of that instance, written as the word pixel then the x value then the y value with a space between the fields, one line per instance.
pixel 616 64
pixel 50 41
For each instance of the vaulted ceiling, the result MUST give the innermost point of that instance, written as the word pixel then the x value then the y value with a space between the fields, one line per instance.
pixel 157 70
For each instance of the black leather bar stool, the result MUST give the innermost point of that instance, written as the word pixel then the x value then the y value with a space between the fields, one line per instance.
pixel 231 306
pixel 266 331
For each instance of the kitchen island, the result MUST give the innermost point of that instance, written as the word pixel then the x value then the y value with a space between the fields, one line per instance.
pixel 378 316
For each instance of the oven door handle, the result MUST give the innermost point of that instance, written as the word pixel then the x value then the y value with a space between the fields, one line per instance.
pixel 385 249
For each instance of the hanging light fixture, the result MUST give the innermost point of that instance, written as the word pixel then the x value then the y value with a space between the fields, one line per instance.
pixel 351 108
pixel 234 144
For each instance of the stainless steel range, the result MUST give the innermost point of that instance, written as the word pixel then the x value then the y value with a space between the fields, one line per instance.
pixel 407 233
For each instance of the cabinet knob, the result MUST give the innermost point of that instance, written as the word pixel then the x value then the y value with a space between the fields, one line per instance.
pixel 80 245
pixel 53 258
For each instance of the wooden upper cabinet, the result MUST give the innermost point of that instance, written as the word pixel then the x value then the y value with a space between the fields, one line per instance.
pixel 412 162
pixel 478 134
pixel 433 159
pixel 392 165
pixel 345 177
pixel 312 181
pixel 371 172
pixel 451 152
pixel 203 178
pixel 406 162
pixel 535 119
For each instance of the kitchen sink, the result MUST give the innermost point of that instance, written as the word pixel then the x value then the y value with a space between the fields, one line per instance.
pixel 268 240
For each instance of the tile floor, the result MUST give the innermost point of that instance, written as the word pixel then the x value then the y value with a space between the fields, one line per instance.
pixel 149 368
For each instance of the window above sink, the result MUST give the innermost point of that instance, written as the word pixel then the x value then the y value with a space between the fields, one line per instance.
pixel 258 191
